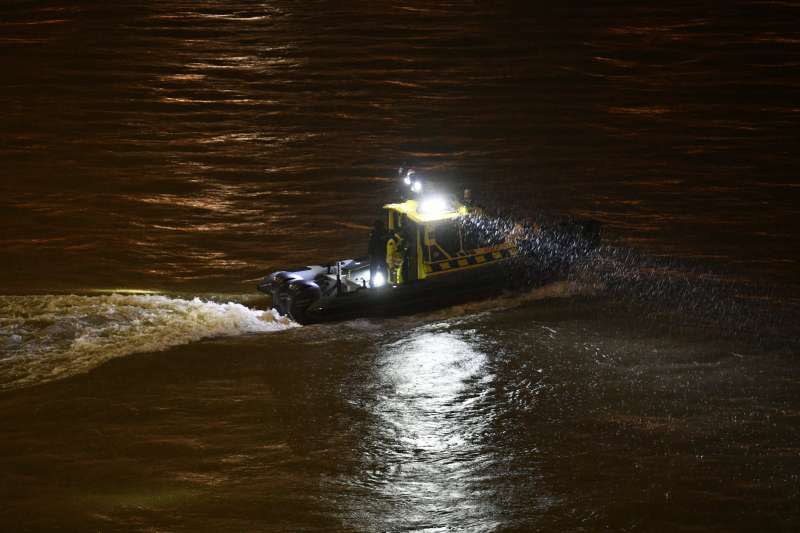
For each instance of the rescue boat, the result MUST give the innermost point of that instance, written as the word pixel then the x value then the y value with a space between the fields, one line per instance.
pixel 434 258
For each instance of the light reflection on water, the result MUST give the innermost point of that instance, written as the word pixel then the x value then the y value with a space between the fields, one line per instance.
pixel 433 412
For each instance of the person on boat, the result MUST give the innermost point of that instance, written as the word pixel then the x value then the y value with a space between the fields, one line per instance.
pixel 403 253
pixel 377 252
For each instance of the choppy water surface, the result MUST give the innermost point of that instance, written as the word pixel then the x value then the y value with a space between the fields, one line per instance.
pixel 159 157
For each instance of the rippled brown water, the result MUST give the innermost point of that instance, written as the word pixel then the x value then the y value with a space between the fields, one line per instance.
pixel 187 148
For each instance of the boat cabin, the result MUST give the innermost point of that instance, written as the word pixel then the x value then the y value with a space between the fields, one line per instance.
pixel 431 237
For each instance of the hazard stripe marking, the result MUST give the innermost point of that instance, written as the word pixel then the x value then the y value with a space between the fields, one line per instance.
pixel 471 260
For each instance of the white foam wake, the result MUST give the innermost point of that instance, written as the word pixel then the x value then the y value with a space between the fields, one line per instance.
pixel 43 338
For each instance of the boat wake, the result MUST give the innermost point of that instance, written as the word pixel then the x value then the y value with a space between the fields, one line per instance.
pixel 43 338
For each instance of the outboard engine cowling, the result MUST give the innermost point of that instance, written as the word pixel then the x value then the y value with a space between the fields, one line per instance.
pixel 276 285
pixel 300 294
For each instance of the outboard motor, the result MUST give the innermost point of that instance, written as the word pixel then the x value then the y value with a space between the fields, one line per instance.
pixel 276 286
pixel 291 293
pixel 300 295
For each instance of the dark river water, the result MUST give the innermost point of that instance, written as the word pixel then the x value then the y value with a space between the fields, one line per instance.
pixel 158 158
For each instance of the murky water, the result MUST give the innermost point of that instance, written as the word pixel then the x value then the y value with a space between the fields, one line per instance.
pixel 159 157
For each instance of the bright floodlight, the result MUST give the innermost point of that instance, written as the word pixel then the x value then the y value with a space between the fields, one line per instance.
pixel 433 205
pixel 417 186
pixel 379 280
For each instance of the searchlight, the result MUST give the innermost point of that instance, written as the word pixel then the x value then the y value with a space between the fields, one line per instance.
pixel 379 280
pixel 410 181
pixel 433 205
